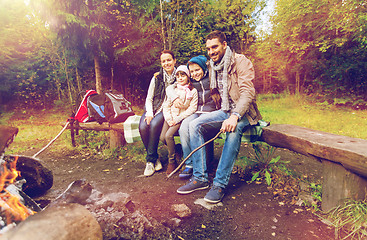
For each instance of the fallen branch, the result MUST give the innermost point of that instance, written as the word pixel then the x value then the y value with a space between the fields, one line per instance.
pixel 53 140
pixel 182 163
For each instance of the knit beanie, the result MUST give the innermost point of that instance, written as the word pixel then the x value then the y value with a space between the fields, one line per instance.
pixel 183 68
pixel 199 60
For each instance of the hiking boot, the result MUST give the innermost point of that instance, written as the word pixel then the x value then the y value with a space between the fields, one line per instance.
pixel 214 195
pixel 158 165
pixel 192 185
pixel 178 152
pixel 186 173
pixel 149 169
pixel 171 167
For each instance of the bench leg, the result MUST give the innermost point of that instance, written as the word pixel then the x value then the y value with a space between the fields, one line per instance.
pixel 116 139
pixel 340 184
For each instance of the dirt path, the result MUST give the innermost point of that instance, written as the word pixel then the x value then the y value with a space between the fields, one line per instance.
pixel 248 211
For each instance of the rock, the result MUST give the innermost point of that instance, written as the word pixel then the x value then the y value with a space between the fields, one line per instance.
pixel 181 210
pixel 173 222
pixel 210 206
pixel 62 222
pixel 77 192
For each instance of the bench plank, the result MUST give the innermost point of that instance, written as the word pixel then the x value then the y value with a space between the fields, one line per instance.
pixel 116 131
pixel 105 126
pixel 350 152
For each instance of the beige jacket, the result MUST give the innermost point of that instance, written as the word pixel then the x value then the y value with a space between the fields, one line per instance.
pixel 241 88
pixel 170 112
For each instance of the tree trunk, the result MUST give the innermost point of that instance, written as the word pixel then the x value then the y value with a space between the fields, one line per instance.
pixel 80 87
pixel 270 77
pixel 97 69
pixel 112 80
pixel 63 222
pixel 297 82
pixel 67 79
pixel 162 22
pixel 58 87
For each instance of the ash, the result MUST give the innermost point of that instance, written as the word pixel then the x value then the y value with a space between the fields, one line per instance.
pixel 119 219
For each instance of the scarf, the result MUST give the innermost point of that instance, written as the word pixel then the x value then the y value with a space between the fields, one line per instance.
pixel 186 89
pixel 222 65
pixel 169 79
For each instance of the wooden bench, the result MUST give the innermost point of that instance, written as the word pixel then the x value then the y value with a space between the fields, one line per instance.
pixel 116 131
pixel 344 159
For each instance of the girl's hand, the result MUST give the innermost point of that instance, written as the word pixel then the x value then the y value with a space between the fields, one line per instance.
pixel 148 119
pixel 178 103
pixel 171 123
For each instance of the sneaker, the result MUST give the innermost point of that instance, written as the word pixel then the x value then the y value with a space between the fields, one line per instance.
pixel 192 185
pixel 171 167
pixel 149 169
pixel 186 173
pixel 214 195
pixel 158 165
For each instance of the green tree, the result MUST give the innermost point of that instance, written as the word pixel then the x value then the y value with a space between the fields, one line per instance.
pixel 310 42
pixel 22 47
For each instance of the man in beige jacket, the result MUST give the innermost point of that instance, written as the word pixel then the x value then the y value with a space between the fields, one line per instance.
pixel 231 83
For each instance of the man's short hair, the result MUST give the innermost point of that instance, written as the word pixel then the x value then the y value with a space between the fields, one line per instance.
pixel 217 34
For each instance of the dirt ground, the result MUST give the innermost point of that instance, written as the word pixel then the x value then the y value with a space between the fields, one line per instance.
pixel 248 211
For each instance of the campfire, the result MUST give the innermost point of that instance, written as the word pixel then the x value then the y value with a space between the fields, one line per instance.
pixel 12 205
pixel 80 212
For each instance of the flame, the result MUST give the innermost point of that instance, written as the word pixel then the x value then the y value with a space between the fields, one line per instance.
pixel 9 203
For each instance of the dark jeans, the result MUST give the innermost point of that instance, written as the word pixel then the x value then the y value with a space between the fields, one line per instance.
pixel 150 135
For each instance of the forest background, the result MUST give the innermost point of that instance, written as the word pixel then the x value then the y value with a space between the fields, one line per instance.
pixel 52 50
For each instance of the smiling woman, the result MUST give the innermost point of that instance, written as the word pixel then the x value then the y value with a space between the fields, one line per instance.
pixel 151 122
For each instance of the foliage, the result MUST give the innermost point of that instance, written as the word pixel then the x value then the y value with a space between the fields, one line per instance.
pixel 21 55
pixel 317 45
pixel 349 219
pixel 52 50
pixel 316 193
pixel 265 162
pixel 95 141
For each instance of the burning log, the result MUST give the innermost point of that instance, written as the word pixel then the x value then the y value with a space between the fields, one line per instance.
pixel 63 222
pixel 11 203
pixel 38 178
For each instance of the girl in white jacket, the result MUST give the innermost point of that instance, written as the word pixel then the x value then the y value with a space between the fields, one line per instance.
pixel 173 116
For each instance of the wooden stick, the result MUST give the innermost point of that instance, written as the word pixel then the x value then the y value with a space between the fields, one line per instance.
pixel 53 140
pixel 182 163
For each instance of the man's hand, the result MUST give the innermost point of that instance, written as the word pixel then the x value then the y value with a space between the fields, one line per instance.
pixel 178 103
pixel 148 119
pixel 229 125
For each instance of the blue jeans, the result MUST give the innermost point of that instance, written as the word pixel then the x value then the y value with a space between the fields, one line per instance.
pixel 150 135
pixel 184 131
pixel 211 124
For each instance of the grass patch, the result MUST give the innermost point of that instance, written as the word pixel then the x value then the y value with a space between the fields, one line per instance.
pixel 349 220
pixel 300 111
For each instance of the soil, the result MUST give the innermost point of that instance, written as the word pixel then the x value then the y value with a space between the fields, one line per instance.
pixel 248 211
